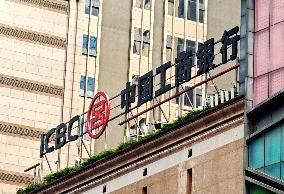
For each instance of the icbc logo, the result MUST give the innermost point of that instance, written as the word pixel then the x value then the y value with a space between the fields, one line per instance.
pixel 97 119
pixel 98 115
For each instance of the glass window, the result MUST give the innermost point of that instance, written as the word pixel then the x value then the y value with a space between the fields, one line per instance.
pixel 95 7
pixel 137 41
pixel 273 170
pixel 201 11
pixel 272 146
pixel 171 7
pixel 201 16
pixel 93 45
pixel 190 46
pixel 85 41
pixel 181 9
pixel 179 46
pixel 146 43
pixel 191 14
pixel 198 98
pixel 82 85
pixel 265 152
pixel 146 36
pixel 188 99
pixel 90 87
pixel 255 189
pixel 256 153
pixel 147 4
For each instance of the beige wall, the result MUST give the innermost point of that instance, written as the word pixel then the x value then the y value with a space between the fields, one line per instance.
pixel 223 15
pixel 216 172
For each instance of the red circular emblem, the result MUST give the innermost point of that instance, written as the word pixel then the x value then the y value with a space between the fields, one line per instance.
pixel 98 115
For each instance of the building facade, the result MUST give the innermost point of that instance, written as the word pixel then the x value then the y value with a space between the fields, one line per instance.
pixel 185 159
pixel 55 55
pixel 262 63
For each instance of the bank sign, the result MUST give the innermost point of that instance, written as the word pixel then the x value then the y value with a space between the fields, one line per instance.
pixel 99 110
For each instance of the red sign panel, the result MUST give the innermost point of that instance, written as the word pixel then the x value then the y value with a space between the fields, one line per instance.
pixel 98 115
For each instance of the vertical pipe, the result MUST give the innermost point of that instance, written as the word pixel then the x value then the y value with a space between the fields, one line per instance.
pixel 64 80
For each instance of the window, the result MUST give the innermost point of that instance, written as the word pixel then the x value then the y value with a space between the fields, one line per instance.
pixel 190 46
pixel 189 181
pixel 181 8
pixel 95 7
pixel 266 152
pixel 90 86
pixel 82 85
pixel 146 43
pixel 147 4
pixel 188 99
pixel 169 47
pixel 137 41
pixel 144 190
pixel 201 11
pixel 191 14
pixel 255 189
pixel 179 46
pixel 93 45
pixel 171 7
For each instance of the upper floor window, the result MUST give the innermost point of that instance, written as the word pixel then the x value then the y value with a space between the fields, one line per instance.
pixel 191 13
pixel 93 45
pixel 180 46
pixel 171 7
pixel 147 4
pixel 180 8
pixel 95 7
pixel 146 43
pixel 266 152
pixel 138 40
pixel 90 86
pixel 190 46
pixel 201 11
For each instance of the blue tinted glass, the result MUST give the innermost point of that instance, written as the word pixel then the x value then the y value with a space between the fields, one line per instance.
pixel 85 39
pixel 282 170
pixel 87 5
pixel 201 16
pixel 282 143
pixel 255 189
pixel 273 170
pixel 272 146
pixel 191 15
pixel 179 46
pixel 95 11
pixel 93 42
pixel 181 9
pixel 91 84
pixel 82 83
pixel 256 153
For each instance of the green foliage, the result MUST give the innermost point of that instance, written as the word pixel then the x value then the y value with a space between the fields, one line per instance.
pixel 69 170
pixel 30 187
pixel 97 157
pixel 124 145
pixel 56 175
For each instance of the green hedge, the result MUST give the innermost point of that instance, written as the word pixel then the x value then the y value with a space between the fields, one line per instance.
pixel 69 170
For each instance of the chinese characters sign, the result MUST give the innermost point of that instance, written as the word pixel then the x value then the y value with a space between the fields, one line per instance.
pixel 183 65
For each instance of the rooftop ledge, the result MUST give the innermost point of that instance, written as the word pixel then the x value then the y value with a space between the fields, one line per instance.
pixel 174 135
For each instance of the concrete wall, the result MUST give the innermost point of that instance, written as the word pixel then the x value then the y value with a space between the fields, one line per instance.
pixel 222 15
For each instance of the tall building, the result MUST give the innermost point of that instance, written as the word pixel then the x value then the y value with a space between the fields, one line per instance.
pixel 55 55
pixel 262 64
